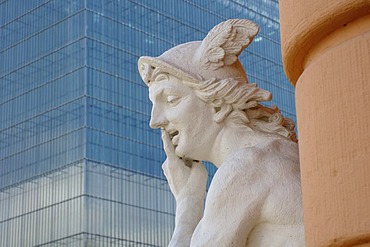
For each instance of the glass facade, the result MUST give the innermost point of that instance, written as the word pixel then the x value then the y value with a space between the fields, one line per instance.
pixel 79 165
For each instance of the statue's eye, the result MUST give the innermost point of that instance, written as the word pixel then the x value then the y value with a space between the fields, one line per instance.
pixel 172 100
pixel 161 77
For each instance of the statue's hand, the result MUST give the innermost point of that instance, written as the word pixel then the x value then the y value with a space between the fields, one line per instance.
pixel 185 177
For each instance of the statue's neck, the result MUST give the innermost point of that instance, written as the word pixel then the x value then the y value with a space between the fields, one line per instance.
pixel 232 139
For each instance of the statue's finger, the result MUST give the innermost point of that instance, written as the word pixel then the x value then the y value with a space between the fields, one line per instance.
pixel 165 167
pixel 167 143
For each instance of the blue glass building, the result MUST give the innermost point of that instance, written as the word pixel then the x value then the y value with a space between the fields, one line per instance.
pixel 79 165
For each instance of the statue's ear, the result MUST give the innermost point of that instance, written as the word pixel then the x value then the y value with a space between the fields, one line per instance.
pixel 222 112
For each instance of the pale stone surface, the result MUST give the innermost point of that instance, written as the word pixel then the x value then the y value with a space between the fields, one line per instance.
pixel 207 111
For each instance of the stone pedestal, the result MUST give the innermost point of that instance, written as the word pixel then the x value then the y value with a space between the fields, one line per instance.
pixel 326 55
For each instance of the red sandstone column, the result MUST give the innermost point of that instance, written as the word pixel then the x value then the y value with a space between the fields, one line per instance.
pixel 326 55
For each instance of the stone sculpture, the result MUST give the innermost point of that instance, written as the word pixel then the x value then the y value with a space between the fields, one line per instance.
pixel 207 110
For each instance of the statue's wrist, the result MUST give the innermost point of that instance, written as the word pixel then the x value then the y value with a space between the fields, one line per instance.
pixel 190 205
pixel 179 240
pixel 191 196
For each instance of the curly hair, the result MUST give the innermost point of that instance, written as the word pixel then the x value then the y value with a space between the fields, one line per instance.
pixel 240 103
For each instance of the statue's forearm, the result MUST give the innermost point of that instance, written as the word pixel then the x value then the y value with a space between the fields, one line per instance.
pixel 189 212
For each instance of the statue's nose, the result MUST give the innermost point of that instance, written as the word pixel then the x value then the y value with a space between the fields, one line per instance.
pixel 157 120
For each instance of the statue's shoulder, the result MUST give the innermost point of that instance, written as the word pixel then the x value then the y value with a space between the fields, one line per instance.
pixel 268 153
pixel 263 163
pixel 257 169
pixel 277 149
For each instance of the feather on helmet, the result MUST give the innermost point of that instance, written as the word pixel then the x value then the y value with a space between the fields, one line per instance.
pixel 214 57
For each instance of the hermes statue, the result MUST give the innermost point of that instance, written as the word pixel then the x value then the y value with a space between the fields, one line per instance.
pixel 207 111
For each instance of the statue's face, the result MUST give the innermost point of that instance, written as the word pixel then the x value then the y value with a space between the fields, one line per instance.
pixel 187 119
